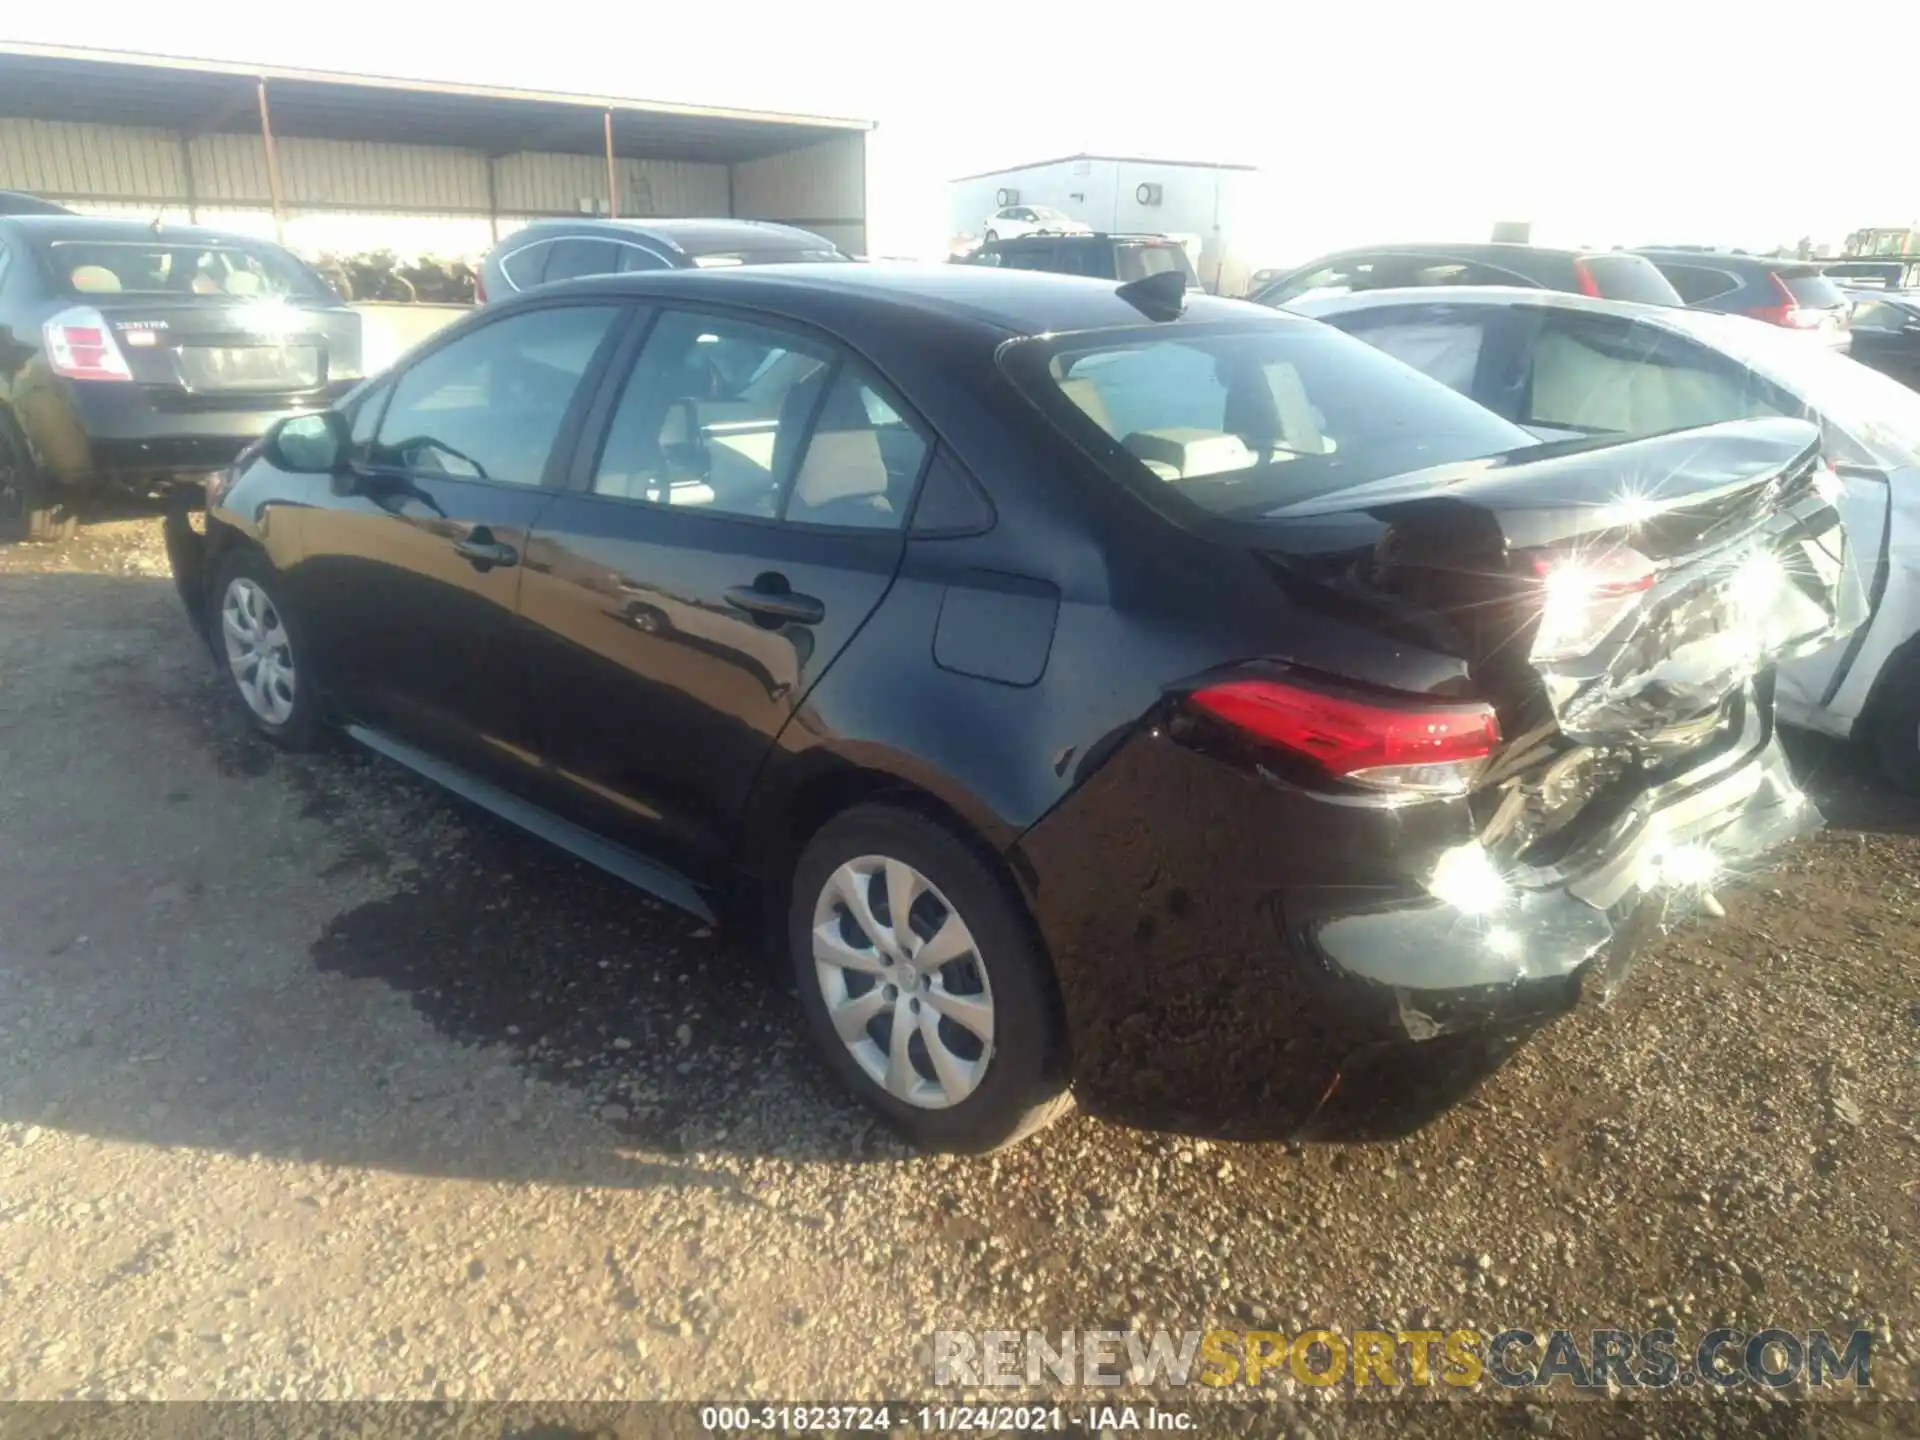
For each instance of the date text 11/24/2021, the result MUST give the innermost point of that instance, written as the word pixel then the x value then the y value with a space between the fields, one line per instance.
pixel 942 1419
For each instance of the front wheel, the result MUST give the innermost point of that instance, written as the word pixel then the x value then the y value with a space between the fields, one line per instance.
pixel 263 650
pixel 923 986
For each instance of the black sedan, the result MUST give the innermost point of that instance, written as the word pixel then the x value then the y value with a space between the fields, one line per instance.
pixel 133 357
pixel 1081 684
pixel 1886 332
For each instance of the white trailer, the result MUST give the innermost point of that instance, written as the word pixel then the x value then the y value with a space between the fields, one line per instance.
pixel 1217 211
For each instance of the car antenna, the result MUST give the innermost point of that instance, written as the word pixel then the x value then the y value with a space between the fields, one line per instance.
pixel 1158 297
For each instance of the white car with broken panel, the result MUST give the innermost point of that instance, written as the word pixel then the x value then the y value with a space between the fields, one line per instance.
pixel 1569 368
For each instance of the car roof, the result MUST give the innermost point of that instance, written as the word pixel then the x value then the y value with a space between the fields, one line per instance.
pixel 984 298
pixel 108 227
pixel 1510 249
pixel 1727 260
pixel 1670 317
pixel 1049 237
pixel 689 236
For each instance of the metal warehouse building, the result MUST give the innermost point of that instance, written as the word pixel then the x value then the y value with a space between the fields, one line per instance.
pixel 350 163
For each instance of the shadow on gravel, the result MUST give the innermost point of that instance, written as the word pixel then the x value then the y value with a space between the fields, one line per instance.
pixel 173 1031
pixel 1842 779
pixel 683 1040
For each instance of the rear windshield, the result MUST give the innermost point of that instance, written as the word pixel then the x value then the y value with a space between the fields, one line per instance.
pixel 1812 290
pixel 224 271
pixel 1630 277
pixel 1136 262
pixel 720 259
pixel 1237 419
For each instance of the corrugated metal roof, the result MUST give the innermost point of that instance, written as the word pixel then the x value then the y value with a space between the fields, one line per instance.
pixel 1108 159
pixel 49 82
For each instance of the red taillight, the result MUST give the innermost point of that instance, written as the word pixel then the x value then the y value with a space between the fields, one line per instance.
pixel 1583 277
pixel 1788 311
pixel 81 347
pixel 1429 749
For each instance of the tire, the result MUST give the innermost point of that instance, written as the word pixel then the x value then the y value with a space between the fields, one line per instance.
pixel 246 612
pixel 1896 725
pixel 990 1092
pixel 992 235
pixel 30 508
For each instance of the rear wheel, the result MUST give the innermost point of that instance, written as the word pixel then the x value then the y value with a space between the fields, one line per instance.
pixel 263 650
pixel 1896 725
pixel 921 983
pixel 29 507
pixel 992 235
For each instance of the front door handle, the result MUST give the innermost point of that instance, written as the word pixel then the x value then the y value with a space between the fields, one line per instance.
pixel 484 551
pixel 777 605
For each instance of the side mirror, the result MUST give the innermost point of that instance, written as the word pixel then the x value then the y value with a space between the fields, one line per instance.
pixel 309 444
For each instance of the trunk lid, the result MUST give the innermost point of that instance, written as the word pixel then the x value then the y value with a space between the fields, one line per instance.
pixel 233 349
pixel 1620 605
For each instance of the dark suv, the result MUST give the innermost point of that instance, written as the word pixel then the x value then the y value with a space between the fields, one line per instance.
pixel 1101 256
pixel 1604 274
pixel 1790 293
pixel 548 251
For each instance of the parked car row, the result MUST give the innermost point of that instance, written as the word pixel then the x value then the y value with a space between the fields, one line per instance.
pixel 1245 719
pixel 137 357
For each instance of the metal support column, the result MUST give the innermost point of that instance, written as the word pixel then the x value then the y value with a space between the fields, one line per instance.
pixel 613 184
pixel 273 167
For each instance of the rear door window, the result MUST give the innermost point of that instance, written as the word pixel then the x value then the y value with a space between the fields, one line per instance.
pixel 1812 291
pixel 1879 315
pixel 1136 262
pixel 1697 283
pixel 1038 256
pixel 1603 375
pixel 575 259
pixel 1349 275
pixel 713 416
pixel 1445 342
pixel 638 257
pixel 490 404
pixel 527 266
pixel 1630 277
pixel 862 461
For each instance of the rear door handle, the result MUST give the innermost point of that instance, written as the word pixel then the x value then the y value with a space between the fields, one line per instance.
pixel 484 551
pixel 778 605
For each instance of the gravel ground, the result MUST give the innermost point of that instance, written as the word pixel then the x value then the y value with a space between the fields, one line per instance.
pixel 316 1085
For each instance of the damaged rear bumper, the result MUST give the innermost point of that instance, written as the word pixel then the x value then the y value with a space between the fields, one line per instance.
pixel 1452 993
pixel 1535 925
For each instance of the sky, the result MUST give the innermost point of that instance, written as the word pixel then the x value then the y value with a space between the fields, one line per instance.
pixel 1626 122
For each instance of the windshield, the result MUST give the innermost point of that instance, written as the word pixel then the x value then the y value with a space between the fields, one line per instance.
pixel 130 267
pixel 1866 406
pixel 1042 212
pixel 1239 419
